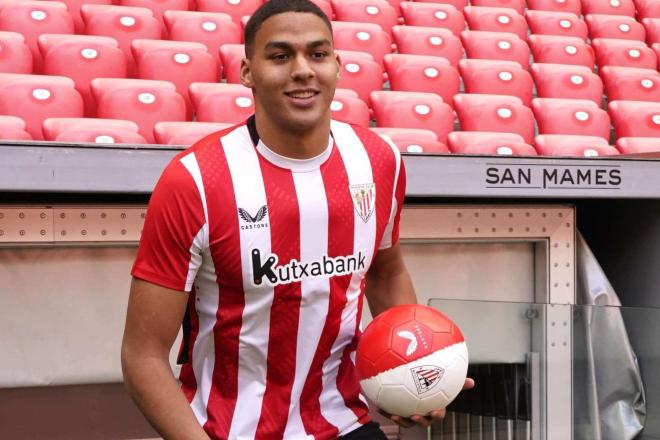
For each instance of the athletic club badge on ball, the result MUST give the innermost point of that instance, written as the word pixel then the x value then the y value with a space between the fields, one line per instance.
pixel 412 359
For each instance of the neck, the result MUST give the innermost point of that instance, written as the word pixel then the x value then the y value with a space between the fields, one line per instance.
pixel 294 144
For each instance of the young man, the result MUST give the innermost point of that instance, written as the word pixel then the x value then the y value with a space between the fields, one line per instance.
pixel 274 227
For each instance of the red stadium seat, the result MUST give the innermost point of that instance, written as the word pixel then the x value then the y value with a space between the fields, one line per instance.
pixel 413 110
pixel 572 6
pixel 412 142
pixel 83 58
pixel 635 118
pixel 561 50
pixel 463 142
pixel 181 63
pixel 100 131
pixel 647 9
pixel 185 133
pixel 34 98
pixel 73 6
pixel 124 24
pixel 422 73
pixel 625 53
pixel 362 37
pixel 237 9
pixel 458 4
pixel 33 18
pixel 481 18
pixel 567 81
pixel 433 15
pixel 350 110
pixel 615 26
pixel 518 5
pixel 158 7
pixel 499 113
pixel 562 24
pixel 231 56
pixel 379 12
pixel 419 40
pixel 212 29
pixel 652 26
pixel 656 49
pixel 610 7
pixel 360 74
pixel 142 101
pixel 636 145
pixel 496 46
pixel 13 128
pixel 218 102
pixel 571 116
pixel 501 149
pixel 15 55
pixel 394 133
pixel 627 83
pixel 573 145
pixel 497 78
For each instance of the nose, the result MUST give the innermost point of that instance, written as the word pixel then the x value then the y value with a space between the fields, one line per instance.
pixel 301 69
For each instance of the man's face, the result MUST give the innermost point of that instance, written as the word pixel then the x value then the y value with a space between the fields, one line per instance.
pixel 293 70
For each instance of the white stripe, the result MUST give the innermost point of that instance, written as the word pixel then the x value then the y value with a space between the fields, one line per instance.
pixel 315 291
pixel 253 339
pixel 201 240
pixel 358 169
pixel 386 241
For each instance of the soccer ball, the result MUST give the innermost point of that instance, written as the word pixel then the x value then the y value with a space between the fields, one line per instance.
pixel 411 359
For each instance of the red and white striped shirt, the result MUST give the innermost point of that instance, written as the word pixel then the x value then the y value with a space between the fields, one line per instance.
pixel 276 251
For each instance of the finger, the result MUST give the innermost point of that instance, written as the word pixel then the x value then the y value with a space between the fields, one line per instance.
pixel 469 383
pixel 423 421
pixel 438 414
pixel 402 421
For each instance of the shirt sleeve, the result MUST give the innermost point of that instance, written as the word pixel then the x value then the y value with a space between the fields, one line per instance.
pixel 391 234
pixel 175 232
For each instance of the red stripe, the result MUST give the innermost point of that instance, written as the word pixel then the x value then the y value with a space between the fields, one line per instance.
pixel 226 255
pixel 285 311
pixel 187 374
pixel 340 242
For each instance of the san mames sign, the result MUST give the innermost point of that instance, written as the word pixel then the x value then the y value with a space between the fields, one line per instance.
pixel 555 176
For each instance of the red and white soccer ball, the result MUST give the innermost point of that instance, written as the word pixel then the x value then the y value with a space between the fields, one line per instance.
pixel 412 359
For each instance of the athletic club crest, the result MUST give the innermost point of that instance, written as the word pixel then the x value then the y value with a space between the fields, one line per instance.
pixel 426 377
pixel 364 199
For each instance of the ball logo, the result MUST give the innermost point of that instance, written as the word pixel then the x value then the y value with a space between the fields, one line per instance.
pixel 426 377
pixel 412 346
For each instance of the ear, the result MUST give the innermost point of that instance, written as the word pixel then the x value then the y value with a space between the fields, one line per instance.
pixel 338 60
pixel 246 73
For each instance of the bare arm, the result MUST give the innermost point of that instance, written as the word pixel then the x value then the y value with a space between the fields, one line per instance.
pixel 152 323
pixel 388 281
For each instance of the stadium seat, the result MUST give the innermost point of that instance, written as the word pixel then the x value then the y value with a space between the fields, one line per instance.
pixel 218 102
pixel 562 24
pixel 495 46
pixel 83 58
pixel 656 49
pixel 158 8
pixel 572 6
pixel 482 18
pixel 561 50
pixel 100 131
pixel 15 55
pixel 420 40
pixel 422 73
pixel 627 83
pixel 179 62
pixel 458 4
pixel 517 5
pixel 73 6
pixel 34 98
pixel 362 37
pixel 610 7
pixel 497 78
pixel 652 26
pixel 326 7
pixel 573 145
pixel 33 18
pixel 636 145
pixel 406 133
pixel 142 101
pixel 413 110
pixel 433 15
pixel 647 9
pixel 13 128
pixel 124 24
pixel 462 142
pixel 231 56
pixel 625 53
pixel 350 110
pixel 360 74
pixel 185 133
pixel 635 118
pixel 410 141
pixel 615 26
pixel 571 116
pixel 567 81
pixel 498 113
pixel 379 12
pixel 236 9
pixel 213 29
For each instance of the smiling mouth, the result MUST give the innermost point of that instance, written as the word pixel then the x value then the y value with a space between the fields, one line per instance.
pixel 302 94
